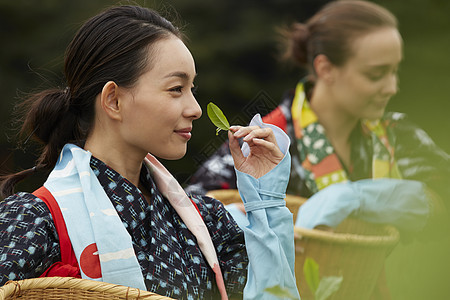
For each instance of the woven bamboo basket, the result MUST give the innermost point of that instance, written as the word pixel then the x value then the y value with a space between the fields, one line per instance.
pixel 355 250
pixel 58 288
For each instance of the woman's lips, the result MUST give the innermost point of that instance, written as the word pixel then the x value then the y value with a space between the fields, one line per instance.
pixel 185 133
pixel 381 104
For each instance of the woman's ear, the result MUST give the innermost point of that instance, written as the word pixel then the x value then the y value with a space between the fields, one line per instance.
pixel 324 69
pixel 109 100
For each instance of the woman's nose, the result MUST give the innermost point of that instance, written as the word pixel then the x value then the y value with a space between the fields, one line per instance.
pixel 391 87
pixel 193 109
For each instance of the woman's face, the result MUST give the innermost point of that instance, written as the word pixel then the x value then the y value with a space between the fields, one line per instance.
pixel 364 85
pixel 159 110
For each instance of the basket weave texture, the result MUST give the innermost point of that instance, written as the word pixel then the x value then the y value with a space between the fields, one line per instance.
pixel 56 288
pixel 355 250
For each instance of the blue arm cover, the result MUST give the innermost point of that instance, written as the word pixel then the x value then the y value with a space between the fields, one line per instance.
pixel 269 235
pixel 403 203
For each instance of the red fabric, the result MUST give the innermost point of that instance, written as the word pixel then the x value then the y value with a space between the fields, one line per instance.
pixel 60 269
pixel 276 117
pixel 224 185
pixel 68 266
pixel 196 207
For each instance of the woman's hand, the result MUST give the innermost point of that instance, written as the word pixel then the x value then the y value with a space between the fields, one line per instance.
pixel 264 151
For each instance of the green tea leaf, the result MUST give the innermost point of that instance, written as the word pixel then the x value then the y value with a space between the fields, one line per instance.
pixel 311 272
pixel 328 286
pixel 217 117
pixel 279 292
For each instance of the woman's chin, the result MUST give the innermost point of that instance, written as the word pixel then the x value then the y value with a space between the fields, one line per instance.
pixel 172 155
pixel 375 115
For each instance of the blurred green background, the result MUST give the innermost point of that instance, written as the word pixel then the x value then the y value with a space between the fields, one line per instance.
pixel 235 47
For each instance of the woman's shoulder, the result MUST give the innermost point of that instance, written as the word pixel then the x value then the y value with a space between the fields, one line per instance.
pixel 399 119
pixel 400 123
pixel 404 127
pixel 23 205
pixel 25 197
pixel 411 138
pixel 393 117
pixel 28 237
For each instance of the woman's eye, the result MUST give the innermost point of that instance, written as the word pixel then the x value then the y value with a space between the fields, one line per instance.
pixel 374 76
pixel 176 89
pixel 194 90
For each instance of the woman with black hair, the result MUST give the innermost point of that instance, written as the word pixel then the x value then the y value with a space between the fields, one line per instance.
pixel 109 210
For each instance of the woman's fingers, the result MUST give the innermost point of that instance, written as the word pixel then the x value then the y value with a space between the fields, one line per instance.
pixel 235 148
pixel 251 132
pixel 264 151
pixel 262 138
pixel 266 144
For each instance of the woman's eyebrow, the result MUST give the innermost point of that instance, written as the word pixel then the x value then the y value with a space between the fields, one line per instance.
pixel 383 67
pixel 182 75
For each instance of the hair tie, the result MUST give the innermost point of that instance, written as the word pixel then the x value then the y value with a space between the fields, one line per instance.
pixel 68 103
pixel 66 91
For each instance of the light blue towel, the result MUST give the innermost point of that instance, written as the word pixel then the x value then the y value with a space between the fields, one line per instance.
pixel 400 202
pixel 91 219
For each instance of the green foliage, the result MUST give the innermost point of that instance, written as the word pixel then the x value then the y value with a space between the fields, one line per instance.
pixel 328 286
pixel 217 117
pixel 280 292
pixel 324 287
pixel 311 273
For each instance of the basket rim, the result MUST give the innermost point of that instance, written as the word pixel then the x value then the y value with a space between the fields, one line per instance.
pixel 15 288
pixel 235 192
pixel 391 236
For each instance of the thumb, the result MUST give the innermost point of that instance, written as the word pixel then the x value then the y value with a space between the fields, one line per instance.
pixel 235 150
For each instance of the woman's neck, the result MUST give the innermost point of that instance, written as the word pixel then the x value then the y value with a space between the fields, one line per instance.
pixel 122 161
pixel 338 125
